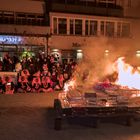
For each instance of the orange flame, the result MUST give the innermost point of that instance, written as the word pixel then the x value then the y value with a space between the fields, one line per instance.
pixel 127 75
pixel 107 104
pixel 69 85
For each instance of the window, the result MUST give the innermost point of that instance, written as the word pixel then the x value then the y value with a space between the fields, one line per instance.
pixel 71 26
pixel 93 27
pixel 21 15
pixel 110 29
pixel 71 1
pixel 78 27
pixel 107 1
pixel 8 14
pixel 125 30
pixel 1 13
pixel 62 26
pixel 31 16
pixel 55 25
pixel 40 16
pixel 87 27
pixel 118 29
pixel 102 28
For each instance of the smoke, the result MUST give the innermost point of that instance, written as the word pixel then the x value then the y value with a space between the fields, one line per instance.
pixel 96 63
pixel 134 13
pixel 101 53
pixel 99 57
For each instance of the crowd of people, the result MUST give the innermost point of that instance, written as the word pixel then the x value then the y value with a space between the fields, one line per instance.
pixel 36 74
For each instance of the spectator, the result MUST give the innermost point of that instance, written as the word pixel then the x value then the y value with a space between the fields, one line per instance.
pixel 18 67
pixel 36 85
pixel 8 86
pixel 1 85
pixel 46 84
pixel 37 73
pixel 23 85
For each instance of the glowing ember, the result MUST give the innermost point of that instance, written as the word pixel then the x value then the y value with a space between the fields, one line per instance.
pixel 69 85
pixel 127 75
pixel 107 104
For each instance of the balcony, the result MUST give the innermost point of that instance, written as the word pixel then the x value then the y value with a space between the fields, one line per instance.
pixel 99 10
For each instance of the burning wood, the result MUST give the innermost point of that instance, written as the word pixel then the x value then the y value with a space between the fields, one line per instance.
pixel 117 96
pixel 120 92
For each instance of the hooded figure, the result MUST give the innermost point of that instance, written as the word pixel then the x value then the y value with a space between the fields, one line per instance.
pixel 25 72
pixel 60 82
pixel 23 84
pixel 8 85
pixel 46 84
pixel 36 84
pixel 37 74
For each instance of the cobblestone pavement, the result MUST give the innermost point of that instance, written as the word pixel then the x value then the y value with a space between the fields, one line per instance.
pixel 31 117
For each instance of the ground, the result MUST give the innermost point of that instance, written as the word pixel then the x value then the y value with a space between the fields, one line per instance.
pixel 31 117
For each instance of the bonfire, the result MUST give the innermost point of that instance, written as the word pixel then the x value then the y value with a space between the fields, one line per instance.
pixel 107 93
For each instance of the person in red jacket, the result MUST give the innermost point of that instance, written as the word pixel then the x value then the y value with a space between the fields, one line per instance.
pixel 46 84
pixel 8 85
pixel 23 85
pixel 36 85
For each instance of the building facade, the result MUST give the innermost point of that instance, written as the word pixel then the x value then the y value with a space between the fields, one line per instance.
pixel 75 24
pixel 65 27
pixel 23 27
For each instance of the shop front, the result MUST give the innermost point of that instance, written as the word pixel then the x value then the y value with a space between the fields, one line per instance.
pixel 21 45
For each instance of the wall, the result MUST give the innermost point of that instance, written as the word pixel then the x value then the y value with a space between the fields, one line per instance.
pixel 23 29
pixel 133 10
pixel 77 42
pixel 22 6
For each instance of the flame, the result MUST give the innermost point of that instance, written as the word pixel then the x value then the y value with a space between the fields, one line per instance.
pixel 69 85
pixel 107 104
pixel 127 75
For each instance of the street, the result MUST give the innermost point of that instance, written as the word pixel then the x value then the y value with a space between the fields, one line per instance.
pixel 31 117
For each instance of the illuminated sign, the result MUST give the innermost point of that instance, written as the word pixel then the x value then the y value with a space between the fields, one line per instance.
pixel 4 39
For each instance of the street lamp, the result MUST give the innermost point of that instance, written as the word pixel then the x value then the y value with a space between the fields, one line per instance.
pixel 47 44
